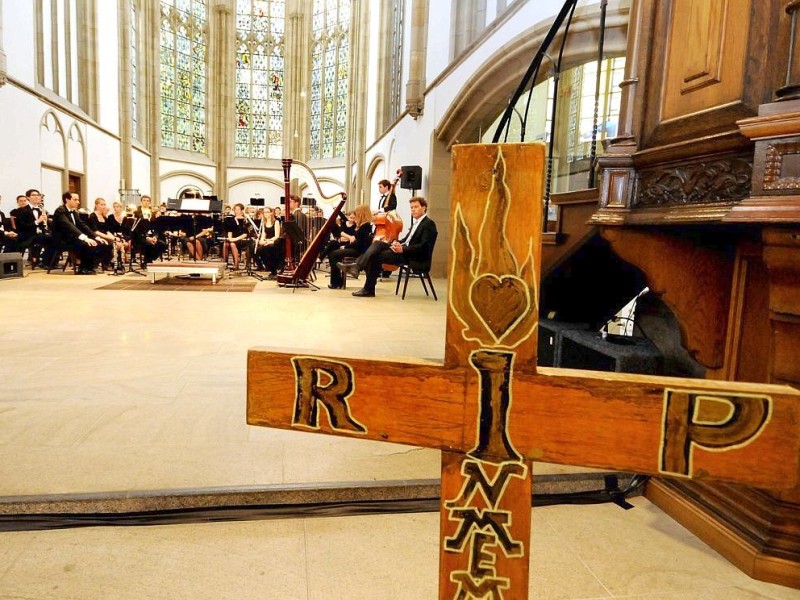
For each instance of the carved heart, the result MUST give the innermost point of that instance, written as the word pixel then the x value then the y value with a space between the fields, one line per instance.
pixel 500 302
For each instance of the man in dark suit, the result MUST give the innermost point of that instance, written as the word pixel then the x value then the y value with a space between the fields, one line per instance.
pixel 417 245
pixel 388 199
pixel 25 225
pixel 70 232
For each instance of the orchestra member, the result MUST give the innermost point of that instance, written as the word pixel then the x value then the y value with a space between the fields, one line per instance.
pixel 302 221
pixel 70 232
pixel 388 199
pixel 278 212
pixel 416 245
pixel 237 231
pixel 145 209
pixel 197 245
pixel 8 237
pixel 26 228
pixel 120 229
pixel 145 234
pixel 355 245
pixel 345 224
pixel 99 222
pixel 269 252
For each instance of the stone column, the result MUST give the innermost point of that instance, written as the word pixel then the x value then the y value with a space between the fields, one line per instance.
pixel 125 98
pixel 152 96
pixel 357 111
pixel 415 87
pixel 296 64
pixel 221 45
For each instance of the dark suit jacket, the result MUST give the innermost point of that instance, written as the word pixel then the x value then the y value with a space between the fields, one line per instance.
pixel 420 246
pixel 388 203
pixel 25 222
pixel 65 231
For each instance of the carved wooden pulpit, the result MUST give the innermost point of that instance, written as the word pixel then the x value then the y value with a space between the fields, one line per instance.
pixel 492 412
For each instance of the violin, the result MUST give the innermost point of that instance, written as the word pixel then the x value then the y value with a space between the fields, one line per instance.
pixel 388 225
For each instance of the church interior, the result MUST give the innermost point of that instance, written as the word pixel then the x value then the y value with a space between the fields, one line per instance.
pixel 670 247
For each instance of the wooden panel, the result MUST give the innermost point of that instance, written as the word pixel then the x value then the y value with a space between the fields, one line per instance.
pixel 563 416
pixel 490 556
pixel 705 64
pixel 693 279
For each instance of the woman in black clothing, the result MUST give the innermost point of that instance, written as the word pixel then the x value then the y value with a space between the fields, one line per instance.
pixel 355 246
pixel 98 222
pixel 237 234
pixel 269 252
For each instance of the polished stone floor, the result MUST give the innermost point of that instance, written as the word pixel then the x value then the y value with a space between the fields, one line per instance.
pixel 116 391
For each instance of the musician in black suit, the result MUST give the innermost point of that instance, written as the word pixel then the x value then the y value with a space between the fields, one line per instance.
pixel 72 233
pixel 417 245
pixel 25 224
pixel 388 199
pixel 8 237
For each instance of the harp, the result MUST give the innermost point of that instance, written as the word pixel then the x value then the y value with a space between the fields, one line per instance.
pixel 296 272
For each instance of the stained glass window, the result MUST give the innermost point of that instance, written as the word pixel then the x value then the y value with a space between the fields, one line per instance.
pixel 134 72
pixel 260 77
pixel 395 91
pixel 184 41
pixel 330 73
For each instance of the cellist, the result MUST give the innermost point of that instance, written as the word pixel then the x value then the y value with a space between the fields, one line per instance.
pixel 388 200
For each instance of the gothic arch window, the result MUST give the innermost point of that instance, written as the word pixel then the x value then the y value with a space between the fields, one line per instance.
pixel 260 78
pixel 395 16
pixel 61 49
pixel 184 49
pixel 469 21
pixel 330 77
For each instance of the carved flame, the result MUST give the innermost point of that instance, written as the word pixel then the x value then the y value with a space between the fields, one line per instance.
pixel 500 306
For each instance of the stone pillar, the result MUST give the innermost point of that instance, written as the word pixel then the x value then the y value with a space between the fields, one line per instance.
pixel 152 92
pixel 415 87
pixel 354 172
pixel 125 98
pixel 295 117
pixel 221 100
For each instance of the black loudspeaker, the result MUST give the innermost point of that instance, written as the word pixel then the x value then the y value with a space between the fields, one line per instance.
pixel 411 178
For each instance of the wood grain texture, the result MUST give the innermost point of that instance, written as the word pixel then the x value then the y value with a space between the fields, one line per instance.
pixel 567 417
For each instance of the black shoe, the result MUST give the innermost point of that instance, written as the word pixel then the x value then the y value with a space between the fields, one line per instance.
pixel 362 293
pixel 87 272
pixel 334 287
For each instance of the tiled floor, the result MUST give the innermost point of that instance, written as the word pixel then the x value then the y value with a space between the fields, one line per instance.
pixel 123 390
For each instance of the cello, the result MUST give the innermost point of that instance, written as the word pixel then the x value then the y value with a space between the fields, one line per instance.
pixel 388 225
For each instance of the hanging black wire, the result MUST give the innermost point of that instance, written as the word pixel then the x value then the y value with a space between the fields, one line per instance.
pixel 600 48
pixel 533 69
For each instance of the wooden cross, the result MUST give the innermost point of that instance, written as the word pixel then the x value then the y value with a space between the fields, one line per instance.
pixel 492 412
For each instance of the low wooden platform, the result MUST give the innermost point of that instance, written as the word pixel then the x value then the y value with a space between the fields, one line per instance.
pixel 200 267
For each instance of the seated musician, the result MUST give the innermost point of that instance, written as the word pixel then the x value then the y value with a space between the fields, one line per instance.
pixel 197 245
pixel 302 221
pixel 416 245
pixel 99 222
pixel 345 224
pixel 237 233
pixel 70 232
pixel 356 244
pixel 269 250
pixel 278 212
pixel 146 236
pixel 8 237
pixel 120 228
pixel 145 209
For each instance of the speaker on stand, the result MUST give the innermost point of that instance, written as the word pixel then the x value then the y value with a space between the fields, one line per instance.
pixel 411 179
